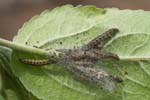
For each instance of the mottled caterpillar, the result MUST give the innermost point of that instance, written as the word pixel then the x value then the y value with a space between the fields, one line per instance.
pixel 94 54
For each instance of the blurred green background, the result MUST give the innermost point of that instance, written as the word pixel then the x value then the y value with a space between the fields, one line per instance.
pixel 13 13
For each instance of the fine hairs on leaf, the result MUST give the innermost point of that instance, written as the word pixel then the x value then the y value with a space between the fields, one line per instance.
pixel 76 61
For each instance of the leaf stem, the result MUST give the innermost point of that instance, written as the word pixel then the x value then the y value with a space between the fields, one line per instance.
pixel 135 58
pixel 16 46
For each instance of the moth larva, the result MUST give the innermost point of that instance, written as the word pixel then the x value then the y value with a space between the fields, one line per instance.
pixel 39 62
pixel 98 77
pixel 92 54
pixel 96 41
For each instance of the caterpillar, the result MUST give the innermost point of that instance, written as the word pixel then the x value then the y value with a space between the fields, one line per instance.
pixel 92 74
pixel 95 76
pixel 37 62
pixel 91 54
pixel 97 41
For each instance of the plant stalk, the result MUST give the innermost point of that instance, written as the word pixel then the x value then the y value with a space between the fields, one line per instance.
pixel 19 47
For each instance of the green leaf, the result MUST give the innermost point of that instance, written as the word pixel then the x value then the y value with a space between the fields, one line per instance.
pixel 58 23
pixel 66 27
pixel 1 97
pixel 11 95
pixel 49 86
pixel 5 56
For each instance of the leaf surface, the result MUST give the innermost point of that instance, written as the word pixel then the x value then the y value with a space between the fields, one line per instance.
pixel 66 27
